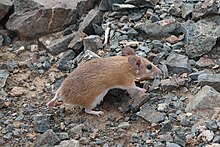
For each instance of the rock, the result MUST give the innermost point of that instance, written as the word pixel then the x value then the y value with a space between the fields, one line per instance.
pixel 63 135
pixel 77 42
pixel 212 125
pixel 172 39
pixel 161 28
pixel 117 7
pixel 177 63
pixel 56 43
pixel 206 135
pixel 162 107
pixel 135 16
pixel 5 6
pixel 48 138
pixel 106 5
pixel 94 16
pixel 68 143
pixel 200 37
pixel 1 40
pixel 41 123
pixel 36 17
pixel 216 139
pixel 93 43
pixel 98 29
pixel 142 3
pixel 187 9
pixel 205 8
pixel 3 95
pixel 205 62
pixel 173 83
pixel 195 75
pixel 85 56
pixel 210 79
pixel 168 144
pixel 62 64
pixel 136 101
pixel 124 125
pixel 3 77
pixel 17 91
pixel 206 98
pixel 150 114
pixel 166 137
pixel 7 136
pixel 76 132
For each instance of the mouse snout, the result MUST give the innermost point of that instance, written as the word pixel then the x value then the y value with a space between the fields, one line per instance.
pixel 158 72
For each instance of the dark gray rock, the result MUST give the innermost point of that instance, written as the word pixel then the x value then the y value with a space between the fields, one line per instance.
pixel 209 7
pixel 135 16
pixel 63 135
pixel 68 143
pixel 154 18
pixel 56 43
pixel 65 57
pixel 94 16
pixel 41 123
pixel 85 56
pixel 93 43
pixel 106 5
pixel 177 63
pixel 216 139
pixel 166 137
pixel 5 6
pixel 200 37
pixel 187 9
pixel 168 144
pixel 150 114
pixel 211 125
pixel 1 40
pixel 141 3
pixel 135 102
pixel 76 132
pixel 124 125
pixel 7 136
pixel 48 138
pixel 3 77
pixel 206 98
pixel 77 42
pixel 161 28
pixel 36 17
pixel 195 75
pixel 98 29
pixel 210 79
pixel 117 7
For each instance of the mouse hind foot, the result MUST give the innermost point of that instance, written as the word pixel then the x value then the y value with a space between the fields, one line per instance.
pixel 52 102
pixel 97 113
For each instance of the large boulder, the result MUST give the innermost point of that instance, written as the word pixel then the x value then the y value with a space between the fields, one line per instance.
pixel 5 6
pixel 34 18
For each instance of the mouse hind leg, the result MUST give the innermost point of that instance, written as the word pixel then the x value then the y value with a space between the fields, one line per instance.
pixel 52 102
pixel 96 101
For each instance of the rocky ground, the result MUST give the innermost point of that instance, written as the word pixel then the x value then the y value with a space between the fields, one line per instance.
pixel 42 41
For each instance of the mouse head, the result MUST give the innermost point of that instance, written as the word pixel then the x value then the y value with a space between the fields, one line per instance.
pixel 143 68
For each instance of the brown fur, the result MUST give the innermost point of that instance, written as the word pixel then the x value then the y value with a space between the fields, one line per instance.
pixel 87 81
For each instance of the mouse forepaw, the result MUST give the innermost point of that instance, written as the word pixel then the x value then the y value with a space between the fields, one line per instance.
pixel 141 90
pixel 97 113
pixel 51 103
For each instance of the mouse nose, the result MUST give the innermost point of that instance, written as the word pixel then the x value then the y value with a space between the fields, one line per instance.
pixel 159 72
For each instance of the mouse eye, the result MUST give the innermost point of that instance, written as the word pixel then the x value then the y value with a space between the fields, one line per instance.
pixel 149 66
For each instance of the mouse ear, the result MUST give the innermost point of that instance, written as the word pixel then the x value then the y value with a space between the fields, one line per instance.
pixel 127 50
pixel 135 61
